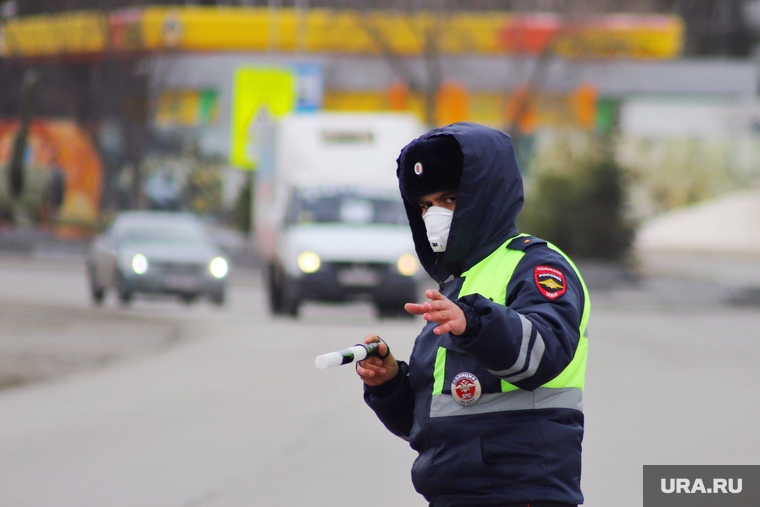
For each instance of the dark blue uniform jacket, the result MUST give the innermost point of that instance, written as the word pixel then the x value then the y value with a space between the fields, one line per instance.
pixel 500 457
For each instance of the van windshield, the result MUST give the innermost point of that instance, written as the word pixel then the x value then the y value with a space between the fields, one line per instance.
pixel 324 206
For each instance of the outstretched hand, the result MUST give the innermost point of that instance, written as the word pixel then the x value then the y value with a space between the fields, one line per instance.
pixel 442 311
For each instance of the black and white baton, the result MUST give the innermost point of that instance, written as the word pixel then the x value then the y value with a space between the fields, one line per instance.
pixel 358 352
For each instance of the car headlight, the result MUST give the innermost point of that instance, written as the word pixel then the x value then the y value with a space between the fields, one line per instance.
pixel 309 262
pixel 139 264
pixel 407 265
pixel 218 267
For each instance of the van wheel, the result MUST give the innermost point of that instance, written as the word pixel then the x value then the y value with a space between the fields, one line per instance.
pixel 274 291
pixel 291 309
pixel 290 302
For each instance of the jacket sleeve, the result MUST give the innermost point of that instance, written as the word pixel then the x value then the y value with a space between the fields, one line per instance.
pixel 393 402
pixel 533 338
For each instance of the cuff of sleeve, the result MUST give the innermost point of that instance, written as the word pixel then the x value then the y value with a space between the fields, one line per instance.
pixel 385 389
pixel 473 320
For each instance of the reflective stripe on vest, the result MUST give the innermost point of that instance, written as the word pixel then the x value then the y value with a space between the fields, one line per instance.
pixel 490 278
pixel 444 405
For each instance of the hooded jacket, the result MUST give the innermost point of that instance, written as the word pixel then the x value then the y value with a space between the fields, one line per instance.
pixel 476 456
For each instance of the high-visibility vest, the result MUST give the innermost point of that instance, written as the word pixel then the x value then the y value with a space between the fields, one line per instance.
pixel 490 278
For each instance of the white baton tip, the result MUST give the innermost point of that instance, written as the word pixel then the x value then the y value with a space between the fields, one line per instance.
pixel 360 353
pixel 327 360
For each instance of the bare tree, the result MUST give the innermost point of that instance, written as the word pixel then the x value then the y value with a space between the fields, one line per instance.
pixel 429 41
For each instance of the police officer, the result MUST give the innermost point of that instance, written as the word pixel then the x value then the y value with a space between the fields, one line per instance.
pixel 492 395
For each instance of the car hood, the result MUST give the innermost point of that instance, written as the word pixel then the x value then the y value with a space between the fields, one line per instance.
pixel 161 252
pixel 347 242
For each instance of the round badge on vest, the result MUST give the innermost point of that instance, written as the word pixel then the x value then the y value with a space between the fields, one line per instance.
pixel 465 388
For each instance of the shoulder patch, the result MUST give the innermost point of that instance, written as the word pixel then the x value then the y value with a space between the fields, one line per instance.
pixel 550 281
pixel 525 242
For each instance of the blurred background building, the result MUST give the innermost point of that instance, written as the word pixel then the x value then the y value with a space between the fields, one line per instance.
pixel 134 101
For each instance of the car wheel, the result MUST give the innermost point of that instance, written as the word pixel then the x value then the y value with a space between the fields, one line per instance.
pixel 125 295
pixel 218 298
pixel 97 293
pixel 188 298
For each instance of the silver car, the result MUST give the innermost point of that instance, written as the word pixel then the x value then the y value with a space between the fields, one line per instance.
pixel 156 252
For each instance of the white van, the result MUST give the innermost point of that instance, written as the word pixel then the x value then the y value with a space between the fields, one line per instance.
pixel 329 217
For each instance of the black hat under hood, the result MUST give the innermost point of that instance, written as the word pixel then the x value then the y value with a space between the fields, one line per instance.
pixel 490 196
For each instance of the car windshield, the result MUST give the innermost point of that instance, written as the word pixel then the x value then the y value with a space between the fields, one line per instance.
pixel 344 206
pixel 162 233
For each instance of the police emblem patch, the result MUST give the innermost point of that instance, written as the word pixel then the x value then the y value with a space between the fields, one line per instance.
pixel 465 388
pixel 550 281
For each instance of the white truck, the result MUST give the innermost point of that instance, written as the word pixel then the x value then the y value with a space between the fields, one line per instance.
pixel 329 220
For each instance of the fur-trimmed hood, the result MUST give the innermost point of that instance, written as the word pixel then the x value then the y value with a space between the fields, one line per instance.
pixel 489 199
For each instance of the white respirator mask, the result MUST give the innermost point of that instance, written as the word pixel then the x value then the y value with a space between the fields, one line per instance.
pixel 438 224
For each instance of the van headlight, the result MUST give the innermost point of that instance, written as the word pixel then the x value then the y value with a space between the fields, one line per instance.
pixel 139 264
pixel 218 267
pixel 309 262
pixel 407 265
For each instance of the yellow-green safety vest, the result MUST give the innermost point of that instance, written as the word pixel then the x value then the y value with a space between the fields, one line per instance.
pixel 490 278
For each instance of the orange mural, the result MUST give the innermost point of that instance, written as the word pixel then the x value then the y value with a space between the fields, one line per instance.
pixel 62 144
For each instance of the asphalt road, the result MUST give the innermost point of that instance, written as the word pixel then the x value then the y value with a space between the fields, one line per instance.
pixel 206 407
